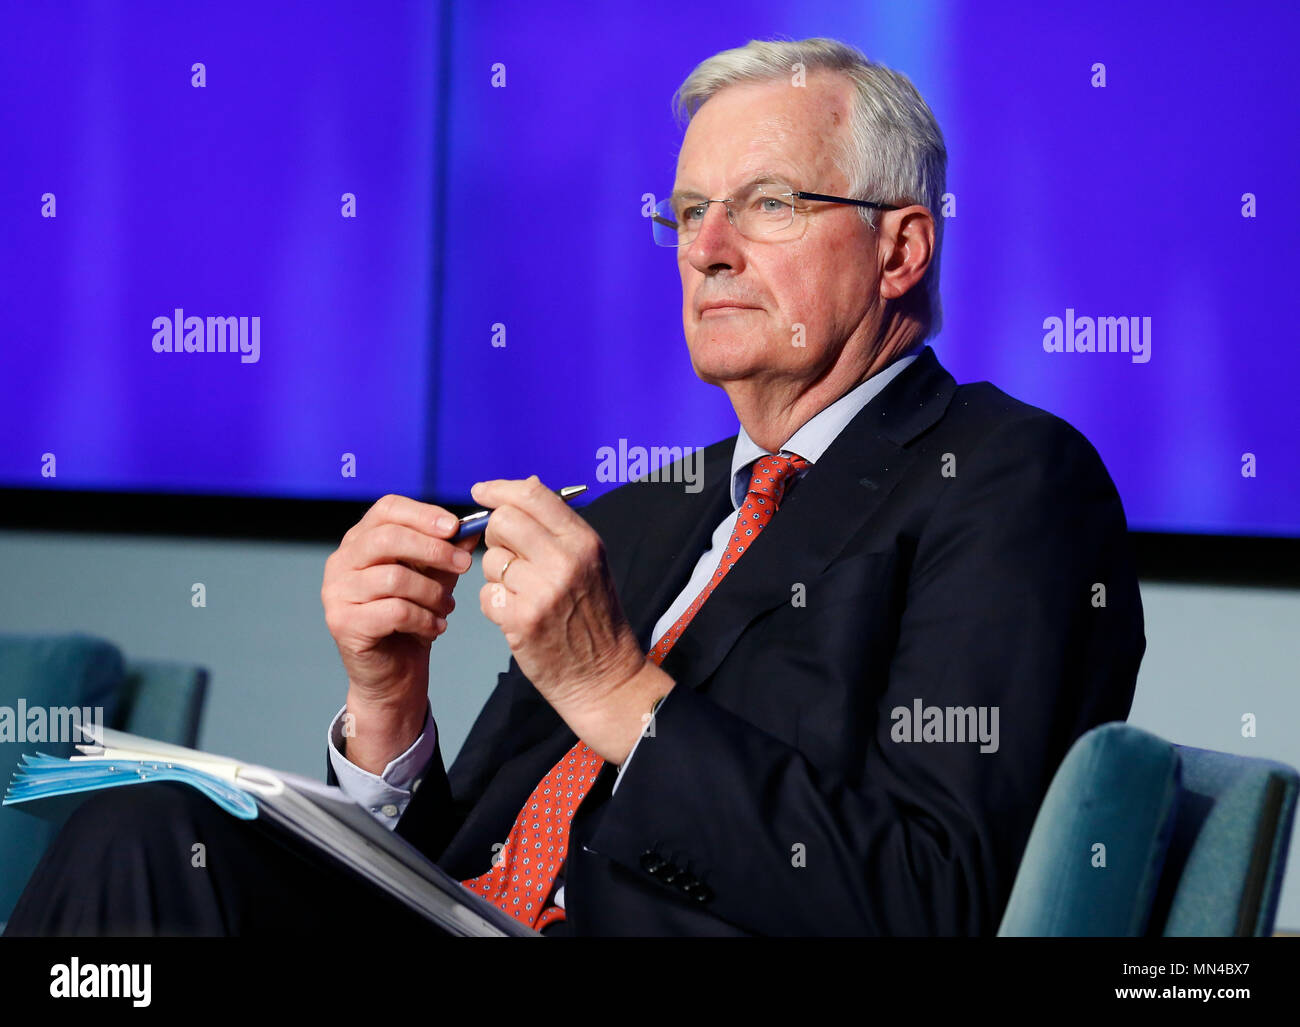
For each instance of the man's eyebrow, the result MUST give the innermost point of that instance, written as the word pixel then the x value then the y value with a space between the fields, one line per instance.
pixel 760 178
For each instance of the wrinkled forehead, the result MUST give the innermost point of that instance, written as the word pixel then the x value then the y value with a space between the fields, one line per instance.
pixel 750 132
pixel 762 181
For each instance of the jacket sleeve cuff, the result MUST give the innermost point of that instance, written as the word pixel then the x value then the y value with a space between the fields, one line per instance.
pixel 647 732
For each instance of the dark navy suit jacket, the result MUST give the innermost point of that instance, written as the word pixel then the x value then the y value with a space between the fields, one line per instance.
pixel 952 545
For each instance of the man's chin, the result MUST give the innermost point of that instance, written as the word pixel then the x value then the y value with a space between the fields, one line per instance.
pixel 722 374
pixel 719 361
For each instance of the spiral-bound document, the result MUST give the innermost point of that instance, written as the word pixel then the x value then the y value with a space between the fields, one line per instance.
pixel 322 816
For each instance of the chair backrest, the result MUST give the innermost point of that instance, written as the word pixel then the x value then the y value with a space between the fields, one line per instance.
pixel 1139 836
pixel 1227 854
pixel 163 700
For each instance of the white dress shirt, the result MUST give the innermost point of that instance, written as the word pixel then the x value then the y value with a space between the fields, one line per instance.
pixel 386 795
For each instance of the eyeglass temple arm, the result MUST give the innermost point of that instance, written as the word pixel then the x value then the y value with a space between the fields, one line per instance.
pixel 844 199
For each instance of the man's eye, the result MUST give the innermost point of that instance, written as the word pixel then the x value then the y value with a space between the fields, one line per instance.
pixel 771 205
pixel 694 213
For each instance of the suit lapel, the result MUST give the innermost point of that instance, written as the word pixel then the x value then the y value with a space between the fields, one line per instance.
pixel 837 496
pixel 684 528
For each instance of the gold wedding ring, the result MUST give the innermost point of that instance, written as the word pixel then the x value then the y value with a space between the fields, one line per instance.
pixel 505 567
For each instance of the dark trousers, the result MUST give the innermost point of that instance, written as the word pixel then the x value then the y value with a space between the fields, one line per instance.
pixel 125 865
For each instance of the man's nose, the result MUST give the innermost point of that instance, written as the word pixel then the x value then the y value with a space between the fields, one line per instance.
pixel 717 245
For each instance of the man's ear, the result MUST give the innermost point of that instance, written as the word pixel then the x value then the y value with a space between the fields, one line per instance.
pixel 907 238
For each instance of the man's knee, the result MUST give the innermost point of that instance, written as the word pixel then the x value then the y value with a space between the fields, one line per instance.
pixel 155 858
pixel 139 805
pixel 143 811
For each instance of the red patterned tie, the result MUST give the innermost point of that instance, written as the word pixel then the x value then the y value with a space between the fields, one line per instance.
pixel 524 873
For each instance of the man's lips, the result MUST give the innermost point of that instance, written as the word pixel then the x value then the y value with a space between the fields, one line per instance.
pixel 720 308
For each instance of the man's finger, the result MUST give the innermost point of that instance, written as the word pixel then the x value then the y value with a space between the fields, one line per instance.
pixel 411 513
pixel 395 543
pixel 530 495
pixel 517 530
pixel 468 542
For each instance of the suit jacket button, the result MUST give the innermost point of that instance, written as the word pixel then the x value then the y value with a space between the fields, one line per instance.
pixel 686 882
pixel 701 894
pixel 668 873
pixel 651 863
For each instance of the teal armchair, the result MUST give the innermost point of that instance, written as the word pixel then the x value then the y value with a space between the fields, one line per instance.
pixel 154 698
pixel 1138 836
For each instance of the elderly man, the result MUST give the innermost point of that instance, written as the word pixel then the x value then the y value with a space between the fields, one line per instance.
pixel 824 695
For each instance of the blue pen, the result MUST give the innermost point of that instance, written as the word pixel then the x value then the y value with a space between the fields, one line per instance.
pixel 472 524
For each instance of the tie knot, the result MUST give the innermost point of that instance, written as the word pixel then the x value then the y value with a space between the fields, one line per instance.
pixel 773 474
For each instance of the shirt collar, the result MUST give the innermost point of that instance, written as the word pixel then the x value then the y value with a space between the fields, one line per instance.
pixel 816 434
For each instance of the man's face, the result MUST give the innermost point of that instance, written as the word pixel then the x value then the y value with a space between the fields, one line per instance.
pixel 824 279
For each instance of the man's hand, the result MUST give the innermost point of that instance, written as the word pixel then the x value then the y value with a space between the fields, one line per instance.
pixel 387 595
pixel 561 616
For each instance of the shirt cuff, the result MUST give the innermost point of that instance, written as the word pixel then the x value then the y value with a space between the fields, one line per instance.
pixel 648 730
pixel 384 796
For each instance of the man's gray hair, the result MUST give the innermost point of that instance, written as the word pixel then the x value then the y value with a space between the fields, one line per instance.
pixel 895 153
